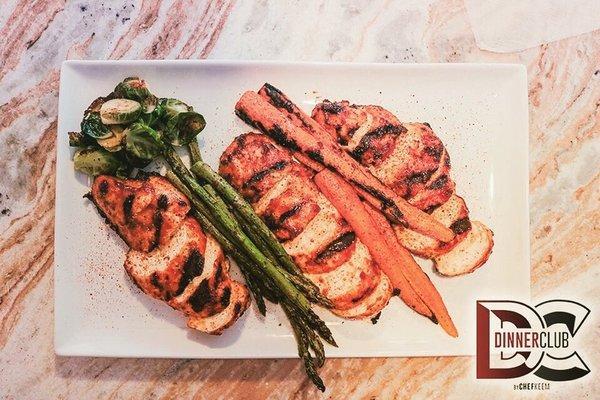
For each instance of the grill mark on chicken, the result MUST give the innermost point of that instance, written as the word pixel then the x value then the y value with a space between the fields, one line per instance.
pixel 439 182
pixel 156 281
pixel 193 267
pixel 157 221
pixel 432 208
pixel 275 224
pixel 259 176
pixel 291 212
pixel 226 298
pixel 127 205
pixel 420 177
pixel 163 202
pixel 238 307
pixel 218 275
pixel 315 155
pixel 331 108
pixel 201 297
pixel 103 188
pixel 435 152
pixel 339 244
pixel 241 140
pixel 461 226
pixel 365 143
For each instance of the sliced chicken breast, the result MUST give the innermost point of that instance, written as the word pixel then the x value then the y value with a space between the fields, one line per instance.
pixel 176 261
pixel 312 231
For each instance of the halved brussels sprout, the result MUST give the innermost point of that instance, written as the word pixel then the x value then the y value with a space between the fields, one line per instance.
pixel 92 126
pixel 143 142
pixel 179 121
pixel 149 104
pixel 120 111
pixel 183 128
pixel 97 161
pixel 95 105
pixel 114 142
pixel 134 88
pixel 173 107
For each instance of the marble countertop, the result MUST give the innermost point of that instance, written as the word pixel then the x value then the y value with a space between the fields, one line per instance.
pixel 35 37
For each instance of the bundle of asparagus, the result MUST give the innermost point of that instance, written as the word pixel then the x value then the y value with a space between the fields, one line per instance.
pixel 130 128
pixel 269 271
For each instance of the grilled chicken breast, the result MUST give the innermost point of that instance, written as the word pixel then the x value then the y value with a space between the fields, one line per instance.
pixel 312 231
pixel 171 259
pixel 410 159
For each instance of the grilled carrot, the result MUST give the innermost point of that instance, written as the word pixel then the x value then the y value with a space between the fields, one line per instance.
pixel 256 111
pixel 315 166
pixel 414 274
pixel 346 201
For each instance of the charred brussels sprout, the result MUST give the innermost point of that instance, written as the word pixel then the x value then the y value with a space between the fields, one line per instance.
pixel 114 142
pixel 173 107
pixel 180 122
pixel 120 111
pixel 92 126
pixel 78 139
pixel 97 161
pixel 181 130
pixel 142 142
pixel 134 88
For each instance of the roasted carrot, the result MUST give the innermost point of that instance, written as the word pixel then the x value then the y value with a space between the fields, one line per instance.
pixel 346 201
pixel 414 274
pixel 256 111
pixel 315 166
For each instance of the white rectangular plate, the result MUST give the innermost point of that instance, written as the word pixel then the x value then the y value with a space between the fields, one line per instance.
pixel 479 112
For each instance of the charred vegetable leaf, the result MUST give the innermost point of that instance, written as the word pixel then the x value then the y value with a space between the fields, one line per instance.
pixel 142 143
pixel 97 161
pixel 173 107
pixel 78 139
pixel 120 111
pixel 179 121
pixel 114 142
pixel 134 88
pixel 92 126
pixel 183 128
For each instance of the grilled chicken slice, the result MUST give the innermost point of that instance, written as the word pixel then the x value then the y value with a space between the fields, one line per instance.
pixel 171 260
pixel 144 212
pixel 312 231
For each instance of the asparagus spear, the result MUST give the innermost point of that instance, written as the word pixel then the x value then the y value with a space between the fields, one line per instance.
pixel 259 232
pixel 302 341
pixel 195 151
